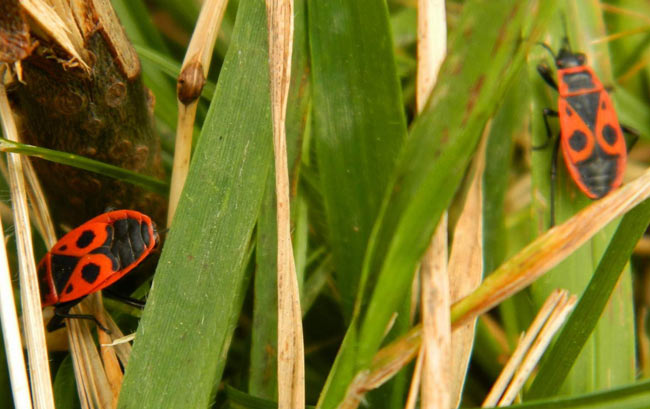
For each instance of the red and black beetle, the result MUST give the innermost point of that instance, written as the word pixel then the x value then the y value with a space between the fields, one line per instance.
pixel 91 257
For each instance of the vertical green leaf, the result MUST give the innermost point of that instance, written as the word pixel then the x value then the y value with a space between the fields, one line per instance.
pixel 186 328
pixel 358 124
pixel 597 367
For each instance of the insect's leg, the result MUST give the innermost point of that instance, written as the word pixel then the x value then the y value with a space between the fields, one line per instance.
pixel 633 136
pixel 553 178
pixel 547 112
pixel 61 312
pixel 134 302
pixel 547 75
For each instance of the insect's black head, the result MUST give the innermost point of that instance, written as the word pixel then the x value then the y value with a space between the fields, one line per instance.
pixel 566 59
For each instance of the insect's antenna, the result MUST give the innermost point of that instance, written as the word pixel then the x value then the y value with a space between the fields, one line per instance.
pixel 565 39
pixel 547 49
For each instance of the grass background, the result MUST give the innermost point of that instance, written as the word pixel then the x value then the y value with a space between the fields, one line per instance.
pixel 369 182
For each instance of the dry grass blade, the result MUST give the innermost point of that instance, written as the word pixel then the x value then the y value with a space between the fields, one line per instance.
pixel 522 348
pixel 30 296
pixel 112 368
pixel 190 84
pixel 466 270
pixel 92 383
pixel 11 335
pixel 552 325
pixel 80 340
pixel 435 354
pixel 412 398
pixel 517 273
pixel 385 364
pixel 291 372
pixel 550 249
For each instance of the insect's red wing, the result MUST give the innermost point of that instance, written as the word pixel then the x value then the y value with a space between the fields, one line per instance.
pixel 577 142
pixel 46 283
pixel 91 272
pixel 609 136
pixel 82 240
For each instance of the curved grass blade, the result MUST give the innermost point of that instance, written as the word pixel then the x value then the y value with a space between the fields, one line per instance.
pixel 569 343
pixel 431 167
pixel 81 162
pixel 186 328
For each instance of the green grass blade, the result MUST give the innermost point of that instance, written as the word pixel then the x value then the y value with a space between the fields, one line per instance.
pixel 65 386
pixel 184 335
pixel 358 124
pixel 155 185
pixel 596 368
pixel 141 31
pixel 432 165
pixel 583 320
pixel 634 396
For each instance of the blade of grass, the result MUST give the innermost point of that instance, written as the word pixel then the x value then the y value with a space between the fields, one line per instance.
pixel 39 368
pixel 597 367
pixel 435 358
pixel 263 365
pixel 631 396
pixel 198 289
pixel 358 125
pixel 522 269
pixel 582 322
pixel 141 31
pixel 291 348
pixel 81 162
pixel 431 166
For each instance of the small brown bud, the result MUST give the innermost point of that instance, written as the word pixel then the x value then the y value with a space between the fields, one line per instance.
pixel 190 83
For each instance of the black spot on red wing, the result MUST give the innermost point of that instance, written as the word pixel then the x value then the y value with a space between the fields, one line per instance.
pixel 89 272
pixel 64 247
pixel 609 134
pixel 603 105
pixel 578 141
pixel 568 112
pixel 85 239
pixel 69 289
pixel 62 267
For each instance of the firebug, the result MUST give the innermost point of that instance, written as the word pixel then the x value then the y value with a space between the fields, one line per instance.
pixel 591 137
pixel 91 257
